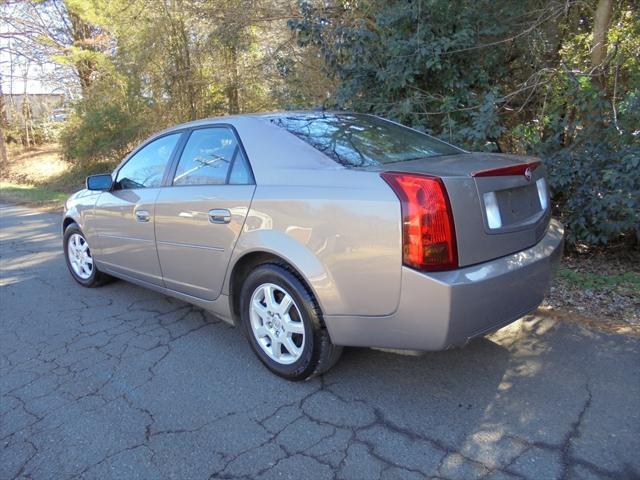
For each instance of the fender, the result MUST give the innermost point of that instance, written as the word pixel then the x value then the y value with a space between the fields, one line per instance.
pixel 72 214
pixel 297 255
pixel 79 208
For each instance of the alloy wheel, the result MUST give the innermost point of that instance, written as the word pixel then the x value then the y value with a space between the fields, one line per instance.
pixel 80 257
pixel 276 323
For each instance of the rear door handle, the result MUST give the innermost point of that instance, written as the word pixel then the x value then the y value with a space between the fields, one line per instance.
pixel 143 215
pixel 219 215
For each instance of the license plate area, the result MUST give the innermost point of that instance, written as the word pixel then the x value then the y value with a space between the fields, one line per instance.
pixel 517 205
pixel 513 203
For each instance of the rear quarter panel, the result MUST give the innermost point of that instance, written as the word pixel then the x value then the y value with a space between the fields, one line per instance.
pixel 340 229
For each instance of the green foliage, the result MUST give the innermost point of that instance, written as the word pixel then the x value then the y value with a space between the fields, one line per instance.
pixel 593 151
pixel 418 62
pixel 101 131
pixel 595 189
pixel 595 180
pixel 505 77
pixel 178 61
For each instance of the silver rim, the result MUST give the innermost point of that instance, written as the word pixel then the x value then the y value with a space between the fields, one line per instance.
pixel 276 323
pixel 80 256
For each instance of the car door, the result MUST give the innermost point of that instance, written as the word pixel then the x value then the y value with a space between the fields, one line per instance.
pixel 200 216
pixel 124 216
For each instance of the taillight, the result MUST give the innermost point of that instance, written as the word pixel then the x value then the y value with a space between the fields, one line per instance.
pixel 428 235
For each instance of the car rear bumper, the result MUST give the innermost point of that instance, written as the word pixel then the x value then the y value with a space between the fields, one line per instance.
pixel 446 309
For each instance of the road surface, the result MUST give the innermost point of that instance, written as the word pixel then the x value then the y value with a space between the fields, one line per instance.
pixel 120 382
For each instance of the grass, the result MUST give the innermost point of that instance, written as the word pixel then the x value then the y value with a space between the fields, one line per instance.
pixel 18 193
pixel 596 281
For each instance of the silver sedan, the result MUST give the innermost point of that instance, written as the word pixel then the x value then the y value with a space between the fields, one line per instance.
pixel 318 230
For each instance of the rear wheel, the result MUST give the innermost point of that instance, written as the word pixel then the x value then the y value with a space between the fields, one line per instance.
pixel 283 324
pixel 80 260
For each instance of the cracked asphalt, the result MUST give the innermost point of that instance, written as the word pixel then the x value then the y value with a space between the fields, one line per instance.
pixel 120 382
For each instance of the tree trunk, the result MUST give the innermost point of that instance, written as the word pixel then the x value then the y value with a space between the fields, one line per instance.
pixel 81 32
pixel 233 94
pixel 3 123
pixel 3 149
pixel 189 72
pixel 25 108
pixel 25 117
pixel 599 44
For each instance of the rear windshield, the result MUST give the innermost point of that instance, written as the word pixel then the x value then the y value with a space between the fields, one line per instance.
pixel 361 140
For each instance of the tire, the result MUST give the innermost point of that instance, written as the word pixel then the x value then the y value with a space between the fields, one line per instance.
pixel 88 276
pixel 300 327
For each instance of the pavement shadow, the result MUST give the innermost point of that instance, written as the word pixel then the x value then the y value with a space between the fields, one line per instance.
pixel 26 243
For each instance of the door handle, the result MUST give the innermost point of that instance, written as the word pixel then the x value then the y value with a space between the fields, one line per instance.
pixel 143 215
pixel 219 215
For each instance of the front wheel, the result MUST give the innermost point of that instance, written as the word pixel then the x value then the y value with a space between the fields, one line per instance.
pixel 283 324
pixel 79 259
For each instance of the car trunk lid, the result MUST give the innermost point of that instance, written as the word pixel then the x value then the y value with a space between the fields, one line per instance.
pixel 500 203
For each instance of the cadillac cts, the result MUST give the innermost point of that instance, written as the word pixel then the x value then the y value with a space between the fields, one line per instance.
pixel 316 230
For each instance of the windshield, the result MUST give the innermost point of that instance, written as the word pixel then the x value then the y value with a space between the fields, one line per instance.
pixel 361 140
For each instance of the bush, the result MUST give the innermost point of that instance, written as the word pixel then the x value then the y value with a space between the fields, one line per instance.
pixel 595 189
pixel 594 178
pixel 97 132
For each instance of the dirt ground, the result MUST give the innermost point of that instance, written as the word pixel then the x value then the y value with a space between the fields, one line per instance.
pixel 35 166
pixel 602 290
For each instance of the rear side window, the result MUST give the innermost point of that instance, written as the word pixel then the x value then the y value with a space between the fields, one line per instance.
pixel 240 171
pixel 146 167
pixel 210 156
pixel 361 140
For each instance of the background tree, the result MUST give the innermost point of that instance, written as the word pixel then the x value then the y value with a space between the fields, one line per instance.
pixel 3 126
pixel 47 30
pixel 601 21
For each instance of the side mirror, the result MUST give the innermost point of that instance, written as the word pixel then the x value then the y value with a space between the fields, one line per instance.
pixel 99 182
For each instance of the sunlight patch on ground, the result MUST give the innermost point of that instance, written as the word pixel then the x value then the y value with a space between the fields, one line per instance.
pixel 37 165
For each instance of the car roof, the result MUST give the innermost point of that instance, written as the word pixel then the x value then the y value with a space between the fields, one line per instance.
pixel 274 152
pixel 232 119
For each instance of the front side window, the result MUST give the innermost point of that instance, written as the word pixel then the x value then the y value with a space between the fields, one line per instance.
pixel 358 140
pixel 208 156
pixel 146 167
